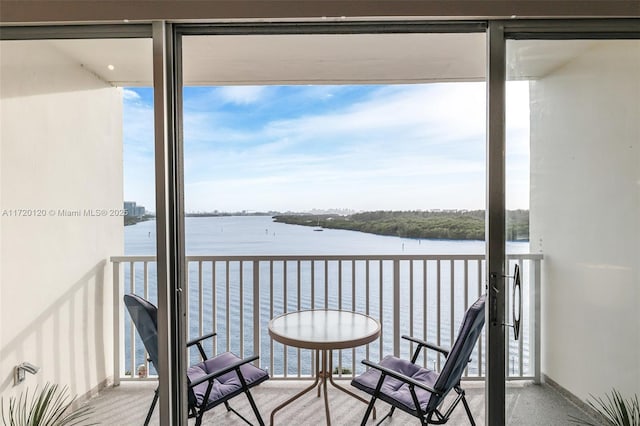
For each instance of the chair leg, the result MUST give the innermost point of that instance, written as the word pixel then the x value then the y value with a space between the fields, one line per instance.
pixel 153 405
pixel 368 412
pixel 468 410
pixel 392 410
pixel 254 407
pixel 226 404
pixel 373 401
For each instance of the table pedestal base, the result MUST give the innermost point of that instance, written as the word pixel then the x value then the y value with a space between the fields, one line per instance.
pixel 323 372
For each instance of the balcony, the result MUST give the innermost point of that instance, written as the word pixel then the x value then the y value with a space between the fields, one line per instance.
pixel 247 291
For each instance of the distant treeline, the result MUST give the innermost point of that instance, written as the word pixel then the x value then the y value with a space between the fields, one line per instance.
pixel 450 224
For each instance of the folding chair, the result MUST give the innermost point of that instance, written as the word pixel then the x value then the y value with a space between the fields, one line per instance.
pixel 211 382
pixel 419 391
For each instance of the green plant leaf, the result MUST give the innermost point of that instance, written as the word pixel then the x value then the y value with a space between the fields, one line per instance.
pixel 617 410
pixel 49 406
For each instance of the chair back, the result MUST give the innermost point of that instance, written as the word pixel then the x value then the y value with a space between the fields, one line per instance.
pixel 145 317
pixel 460 352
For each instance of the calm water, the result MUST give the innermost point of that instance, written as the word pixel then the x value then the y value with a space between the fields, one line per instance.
pixel 259 235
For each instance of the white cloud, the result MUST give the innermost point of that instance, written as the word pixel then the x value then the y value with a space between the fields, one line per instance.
pixel 242 95
pixel 404 147
pixel 444 112
pixel 130 95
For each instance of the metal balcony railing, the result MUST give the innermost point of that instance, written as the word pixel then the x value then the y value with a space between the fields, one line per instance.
pixel 420 295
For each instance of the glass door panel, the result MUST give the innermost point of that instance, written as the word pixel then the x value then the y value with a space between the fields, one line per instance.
pixel 573 167
pixel 332 171
pixel 77 186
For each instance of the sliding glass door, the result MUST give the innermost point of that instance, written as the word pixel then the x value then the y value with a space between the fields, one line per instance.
pixel 316 161
pixel 572 161
pixel 77 198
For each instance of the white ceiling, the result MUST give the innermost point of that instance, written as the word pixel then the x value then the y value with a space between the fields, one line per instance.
pixel 314 59
pixel 333 59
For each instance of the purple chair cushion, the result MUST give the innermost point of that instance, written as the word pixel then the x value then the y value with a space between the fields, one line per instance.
pixel 226 385
pixel 393 390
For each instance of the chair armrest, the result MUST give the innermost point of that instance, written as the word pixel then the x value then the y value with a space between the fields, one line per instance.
pixel 200 339
pixel 437 348
pixel 400 376
pixel 225 370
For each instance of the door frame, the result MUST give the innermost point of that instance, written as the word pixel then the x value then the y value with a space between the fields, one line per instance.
pixel 498 33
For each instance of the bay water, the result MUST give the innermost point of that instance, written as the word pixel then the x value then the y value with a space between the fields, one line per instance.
pixel 260 236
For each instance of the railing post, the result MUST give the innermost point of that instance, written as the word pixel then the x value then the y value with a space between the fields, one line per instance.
pixel 396 307
pixel 118 325
pixel 256 309
pixel 535 296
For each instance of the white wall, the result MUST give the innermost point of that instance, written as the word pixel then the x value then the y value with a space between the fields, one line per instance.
pixel 60 148
pixel 585 217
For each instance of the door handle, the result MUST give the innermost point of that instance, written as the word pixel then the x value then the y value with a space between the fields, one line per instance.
pixel 516 313
pixel 517 308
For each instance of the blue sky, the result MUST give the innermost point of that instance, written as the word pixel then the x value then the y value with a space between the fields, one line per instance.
pixel 392 147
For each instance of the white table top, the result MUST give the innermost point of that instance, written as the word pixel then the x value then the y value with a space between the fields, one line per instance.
pixel 324 329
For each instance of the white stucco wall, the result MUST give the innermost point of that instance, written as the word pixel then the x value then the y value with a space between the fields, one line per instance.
pixel 585 218
pixel 60 148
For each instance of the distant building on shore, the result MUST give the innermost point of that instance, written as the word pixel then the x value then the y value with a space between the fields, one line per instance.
pixel 133 210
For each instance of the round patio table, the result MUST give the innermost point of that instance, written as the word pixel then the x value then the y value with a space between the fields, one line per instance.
pixel 323 330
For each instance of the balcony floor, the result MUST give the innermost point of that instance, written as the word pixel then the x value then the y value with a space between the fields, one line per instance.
pixel 528 404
